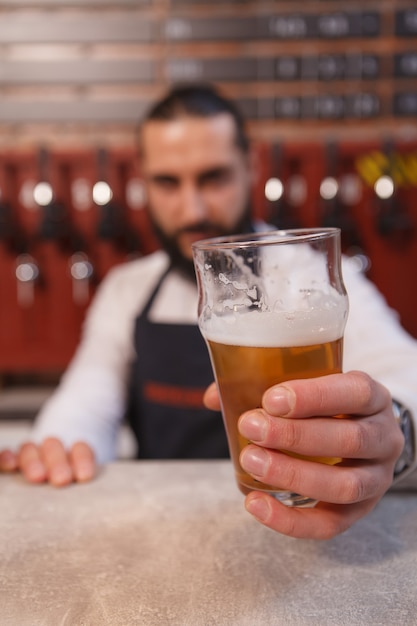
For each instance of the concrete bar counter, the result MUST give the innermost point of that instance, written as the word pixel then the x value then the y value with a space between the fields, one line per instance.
pixel 169 543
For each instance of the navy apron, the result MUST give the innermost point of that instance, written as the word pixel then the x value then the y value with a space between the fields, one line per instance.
pixel 170 373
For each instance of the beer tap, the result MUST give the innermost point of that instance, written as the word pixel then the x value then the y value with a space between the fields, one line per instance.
pixel 393 221
pixel 279 211
pixel 11 233
pixel 15 242
pixel 6 220
pixel 112 224
pixel 81 270
pixel 55 224
pixel 336 198
pixel 27 273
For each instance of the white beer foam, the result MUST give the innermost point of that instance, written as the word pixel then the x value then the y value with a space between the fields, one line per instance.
pixel 278 328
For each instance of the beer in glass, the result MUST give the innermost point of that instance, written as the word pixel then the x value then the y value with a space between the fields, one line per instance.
pixel 272 307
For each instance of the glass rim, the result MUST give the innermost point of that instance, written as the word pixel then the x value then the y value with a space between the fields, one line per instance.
pixel 267 238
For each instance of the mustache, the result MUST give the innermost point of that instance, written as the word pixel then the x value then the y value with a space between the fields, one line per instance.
pixel 200 227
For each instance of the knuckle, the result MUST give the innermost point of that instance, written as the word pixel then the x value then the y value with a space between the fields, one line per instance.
pixel 290 475
pixel 322 397
pixel 357 439
pixel 368 389
pixel 291 435
pixel 355 488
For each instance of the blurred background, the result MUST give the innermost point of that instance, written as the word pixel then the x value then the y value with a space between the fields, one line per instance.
pixel 330 91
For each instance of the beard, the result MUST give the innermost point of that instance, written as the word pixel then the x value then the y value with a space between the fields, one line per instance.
pixel 170 242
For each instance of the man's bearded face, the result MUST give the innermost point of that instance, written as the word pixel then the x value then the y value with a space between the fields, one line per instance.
pixel 198 182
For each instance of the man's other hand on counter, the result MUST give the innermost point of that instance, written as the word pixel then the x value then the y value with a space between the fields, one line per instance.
pixel 51 462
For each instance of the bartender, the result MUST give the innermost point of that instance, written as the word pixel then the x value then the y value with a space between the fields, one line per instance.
pixel 142 356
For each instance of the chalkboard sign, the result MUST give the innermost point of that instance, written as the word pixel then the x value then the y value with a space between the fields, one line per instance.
pixel 82 60
pixel 210 29
pixel 288 68
pixel 326 67
pixel 326 106
pixel 405 65
pixel 230 69
pixel 288 107
pixel 339 25
pixel 405 104
pixel 363 105
pixel 406 23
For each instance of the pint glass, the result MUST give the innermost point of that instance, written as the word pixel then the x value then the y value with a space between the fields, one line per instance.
pixel 272 307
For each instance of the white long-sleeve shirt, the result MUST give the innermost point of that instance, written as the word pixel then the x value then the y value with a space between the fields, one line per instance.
pixel 90 401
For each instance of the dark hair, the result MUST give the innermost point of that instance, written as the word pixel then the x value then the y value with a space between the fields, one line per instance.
pixel 198 100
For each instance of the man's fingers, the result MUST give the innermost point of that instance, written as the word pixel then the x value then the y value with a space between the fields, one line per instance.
pixel 54 456
pixel 324 521
pixel 364 438
pixel 8 461
pixel 343 484
pixel 353 393
pixel 30 463
pixel 82 461
pixel 51 462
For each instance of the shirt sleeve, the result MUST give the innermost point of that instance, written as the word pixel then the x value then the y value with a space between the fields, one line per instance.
pixel 90 401
pixel 376 343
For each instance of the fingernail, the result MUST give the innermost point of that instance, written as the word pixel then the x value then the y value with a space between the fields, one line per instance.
pixel 258 507
pixel 84 472
pixel 255 461
pixel 253 426
pixel 61 476
pixel 278 400
pixel 36 471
